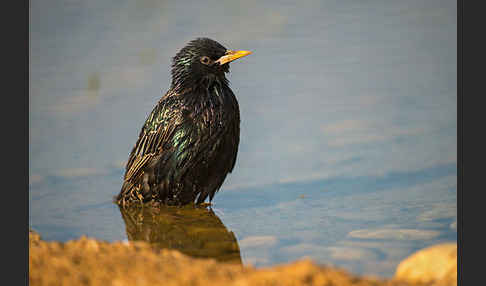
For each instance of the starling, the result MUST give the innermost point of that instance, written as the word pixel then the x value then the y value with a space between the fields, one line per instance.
pixel 189 142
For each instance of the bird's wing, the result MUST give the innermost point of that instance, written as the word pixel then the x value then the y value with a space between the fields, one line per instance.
pixel 158 128
pixel 177 140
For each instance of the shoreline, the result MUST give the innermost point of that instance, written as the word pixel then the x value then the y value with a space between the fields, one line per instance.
pixel 88 261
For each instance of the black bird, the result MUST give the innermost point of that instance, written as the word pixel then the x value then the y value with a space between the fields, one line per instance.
pixel 189 141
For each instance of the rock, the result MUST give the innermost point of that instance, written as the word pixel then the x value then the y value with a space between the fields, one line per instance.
pixel 436 265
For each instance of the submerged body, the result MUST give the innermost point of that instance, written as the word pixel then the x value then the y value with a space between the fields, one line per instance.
pixel 189 142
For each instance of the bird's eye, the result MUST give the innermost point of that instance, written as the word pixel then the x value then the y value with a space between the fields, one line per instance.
pixel 205 60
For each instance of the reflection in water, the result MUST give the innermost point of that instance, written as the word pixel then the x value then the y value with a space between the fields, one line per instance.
pixel 197 232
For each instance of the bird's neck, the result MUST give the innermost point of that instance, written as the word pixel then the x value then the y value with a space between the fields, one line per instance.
pixel 202 84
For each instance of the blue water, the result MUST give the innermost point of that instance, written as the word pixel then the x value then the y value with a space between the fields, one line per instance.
pixel 348 121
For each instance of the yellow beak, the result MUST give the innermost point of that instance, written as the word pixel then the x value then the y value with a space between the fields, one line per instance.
pixel 231 56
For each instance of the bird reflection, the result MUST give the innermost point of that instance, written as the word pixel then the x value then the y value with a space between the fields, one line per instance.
pixel 197 232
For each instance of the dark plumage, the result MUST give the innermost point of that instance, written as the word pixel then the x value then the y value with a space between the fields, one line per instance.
pixel 189 141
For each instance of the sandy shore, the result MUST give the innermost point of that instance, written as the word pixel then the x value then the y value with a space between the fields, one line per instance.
pixel 87 261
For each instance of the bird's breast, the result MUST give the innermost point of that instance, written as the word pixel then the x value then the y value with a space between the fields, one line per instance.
pixel 217 108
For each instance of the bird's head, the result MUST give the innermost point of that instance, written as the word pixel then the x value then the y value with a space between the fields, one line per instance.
pixel 201 62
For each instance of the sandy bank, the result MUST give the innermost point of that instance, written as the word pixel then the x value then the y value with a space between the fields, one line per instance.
pixel 88 261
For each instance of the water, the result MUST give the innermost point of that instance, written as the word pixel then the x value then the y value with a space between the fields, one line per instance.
pixel 348 133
